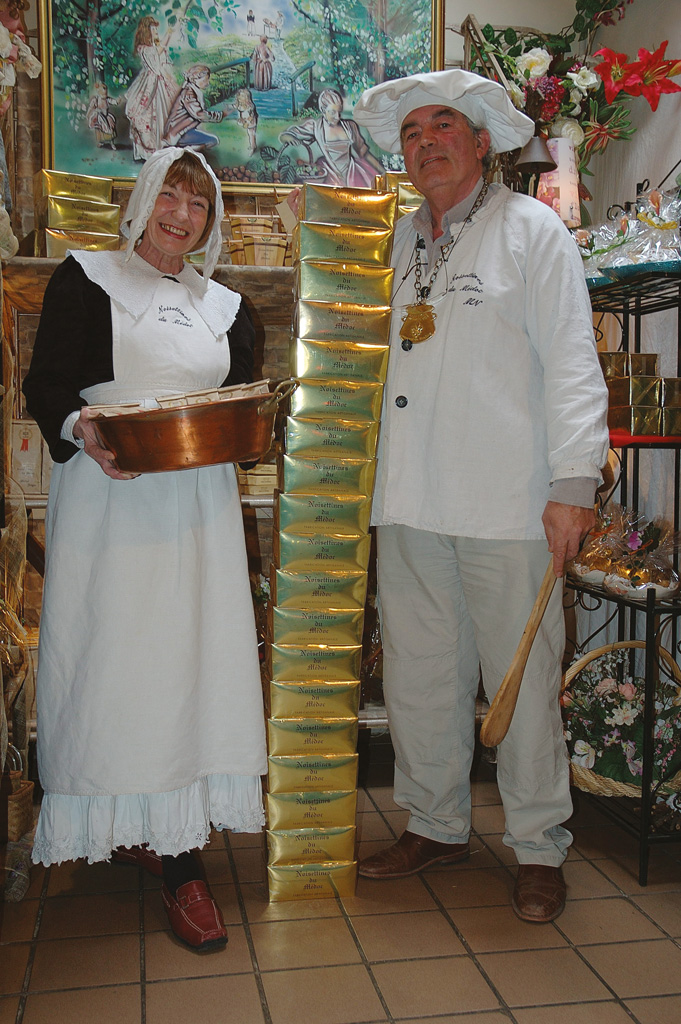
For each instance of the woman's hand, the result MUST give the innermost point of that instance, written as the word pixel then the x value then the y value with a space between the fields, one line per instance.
pixel 87 432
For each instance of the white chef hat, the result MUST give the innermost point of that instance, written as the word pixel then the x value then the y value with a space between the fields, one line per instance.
pixel 383 108
pixel 145 193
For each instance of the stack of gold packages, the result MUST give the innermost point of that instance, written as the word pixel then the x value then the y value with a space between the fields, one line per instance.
pixel 640 402
pixel 321 542
pixel 73 211
pixel 408 196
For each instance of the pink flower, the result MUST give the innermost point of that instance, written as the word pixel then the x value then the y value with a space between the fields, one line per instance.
pixel 604 687
pixel 634 541
pixel 628 690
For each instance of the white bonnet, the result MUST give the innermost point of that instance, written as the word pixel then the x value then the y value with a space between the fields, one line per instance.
pixel 143 198
pixel 383 108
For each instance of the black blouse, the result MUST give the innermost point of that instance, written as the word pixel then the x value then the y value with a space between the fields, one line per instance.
pixel 74 350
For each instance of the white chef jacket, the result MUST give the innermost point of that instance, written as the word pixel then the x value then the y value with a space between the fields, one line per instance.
pixel 507 396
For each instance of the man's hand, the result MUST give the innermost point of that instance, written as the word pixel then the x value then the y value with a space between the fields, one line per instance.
pixel 85 430
pixel 566 526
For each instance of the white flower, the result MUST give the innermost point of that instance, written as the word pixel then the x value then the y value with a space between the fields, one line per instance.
pixel 624 715
pixel 567 128
pixel 576 98
pixel 517 95
pixel 535 61
pixel 584 754
pixel 5 42
pixel 584 79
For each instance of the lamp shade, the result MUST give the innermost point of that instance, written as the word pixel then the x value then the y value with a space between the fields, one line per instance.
pixel 535 158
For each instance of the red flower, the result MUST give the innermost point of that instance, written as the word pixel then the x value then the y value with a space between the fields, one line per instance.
pixel 650 75
pixel 614 71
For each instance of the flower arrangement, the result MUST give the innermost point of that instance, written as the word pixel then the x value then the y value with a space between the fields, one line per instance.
pixel 579 97
pixel 603 722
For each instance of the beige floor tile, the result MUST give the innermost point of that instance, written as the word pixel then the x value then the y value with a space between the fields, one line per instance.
pixel 371 825
pixel 397 820
pixel 115 1005
pixel 382 797
pixel 406 936
pixel 486 887
pixel 389 897
pixel 76 916
pixel 485 793
pixel 251 865
pixel 36 879
pixel 156 919
pixel 541 977
pixel 587 1013
pixel 461 1018
pixel 76 963
pixel 284 945
pixel 665 909
pixel 638 968
pixel 330 995
pixel 664 874
pixel 584 881
pixel 217 867
pixel 438 986
pixel 604 840
pixel 258 907
pixel 488 818
pixel 664 1010
pixel 8 1009
pixel 74 877
pixel 232 997
pixel 605 920
pixel 14 961
pixel 241 840
pixel 496 929
pixel 364 802
pixel 166 958
pixel 17 921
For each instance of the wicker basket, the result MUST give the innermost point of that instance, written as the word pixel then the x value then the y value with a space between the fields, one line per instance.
pixel 586 779
pixel 20 812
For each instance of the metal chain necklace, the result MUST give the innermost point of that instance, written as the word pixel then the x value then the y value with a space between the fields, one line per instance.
pixel 418 323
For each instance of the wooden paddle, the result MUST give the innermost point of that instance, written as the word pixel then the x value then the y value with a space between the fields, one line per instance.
pixel 498 718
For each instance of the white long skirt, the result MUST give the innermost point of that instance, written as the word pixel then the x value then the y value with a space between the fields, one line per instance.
pixel 150 716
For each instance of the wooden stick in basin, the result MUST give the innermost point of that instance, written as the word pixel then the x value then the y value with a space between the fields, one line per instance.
pixel 498 718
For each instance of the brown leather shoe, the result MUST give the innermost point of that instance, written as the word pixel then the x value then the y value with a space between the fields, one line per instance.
pixel 539 893
pixel 195 917
pixel 411 854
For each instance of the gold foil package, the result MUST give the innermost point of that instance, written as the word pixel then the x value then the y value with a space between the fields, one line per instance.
pixel 318 589
pixel 335 513
pixel 305 552
pixel 634 391
pixel 671 422
pixel 344 282
pixel 65 214
pixel 338 438
pixel 311 810
pixel 76 186
pixel 670 396
pixel 333 664
pixel 303 700
pixel 323 625
pixel 311 881
pixel 311 845
pixel 342 399
pixel 326 476
pixel 312 773
pixel 344 242
pixel 57 243
pixel 340 205
pixel 637 420
pixel 342 321
pixel 623 364
pixel 309 735
pixel 332 359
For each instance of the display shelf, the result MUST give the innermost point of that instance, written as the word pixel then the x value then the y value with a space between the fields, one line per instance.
pixel 629 301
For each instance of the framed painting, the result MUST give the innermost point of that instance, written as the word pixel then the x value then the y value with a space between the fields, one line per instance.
pixel 265 88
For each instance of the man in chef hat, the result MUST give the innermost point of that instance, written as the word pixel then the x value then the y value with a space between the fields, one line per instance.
pixel 493 435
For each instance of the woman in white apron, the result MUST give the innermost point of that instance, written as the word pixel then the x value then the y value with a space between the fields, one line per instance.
pixel 150 717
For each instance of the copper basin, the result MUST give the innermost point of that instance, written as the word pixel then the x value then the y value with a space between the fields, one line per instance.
pixel 164 440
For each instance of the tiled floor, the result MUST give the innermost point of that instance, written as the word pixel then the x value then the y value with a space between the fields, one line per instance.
pixel 89 945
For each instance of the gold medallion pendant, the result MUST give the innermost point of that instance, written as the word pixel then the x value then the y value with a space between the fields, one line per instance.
pixel 418 323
